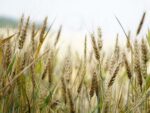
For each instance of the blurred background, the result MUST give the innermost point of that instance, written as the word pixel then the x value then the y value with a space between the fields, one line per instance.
pixel 80 17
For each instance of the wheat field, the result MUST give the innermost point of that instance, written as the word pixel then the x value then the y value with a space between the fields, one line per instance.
pixel 35 78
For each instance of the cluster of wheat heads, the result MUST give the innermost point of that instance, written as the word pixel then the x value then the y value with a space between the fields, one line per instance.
pixel 36 80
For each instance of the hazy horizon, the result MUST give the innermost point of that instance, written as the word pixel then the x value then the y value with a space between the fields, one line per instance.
pixel 80 17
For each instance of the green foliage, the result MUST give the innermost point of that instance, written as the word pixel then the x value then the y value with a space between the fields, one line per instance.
pixel 148 37
pixel 73 84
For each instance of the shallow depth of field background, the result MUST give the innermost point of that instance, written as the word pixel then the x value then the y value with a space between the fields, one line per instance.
pixel 84 64
pixel 79 17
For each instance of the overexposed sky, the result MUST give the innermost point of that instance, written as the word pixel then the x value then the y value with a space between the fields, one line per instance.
pixel 82 16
